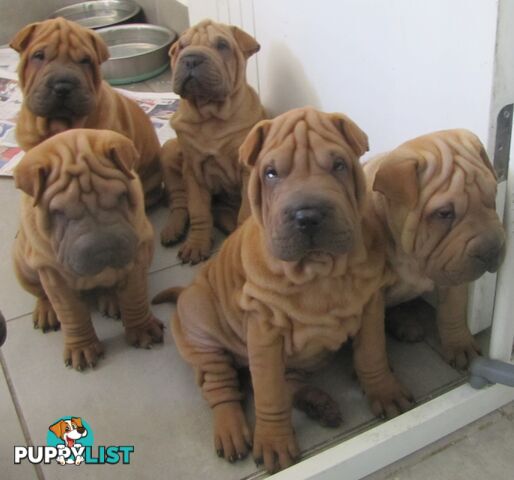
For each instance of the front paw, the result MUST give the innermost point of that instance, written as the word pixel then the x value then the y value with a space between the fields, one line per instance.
pixel 175 228
pixel 78 460
pixel 460 352
pixel 276 449
pixel 388 397
pixel 195 251
pixel 44 316
pixel 232 437
pixel 84 356
pixel 145 335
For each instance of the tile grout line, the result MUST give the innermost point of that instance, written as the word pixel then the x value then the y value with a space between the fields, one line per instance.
pixel 19 413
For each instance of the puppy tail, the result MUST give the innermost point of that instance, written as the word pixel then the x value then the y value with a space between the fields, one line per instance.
pixel 168 295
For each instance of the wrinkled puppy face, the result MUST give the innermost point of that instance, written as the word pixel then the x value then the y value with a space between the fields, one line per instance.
pixel 209 61
pixel 86 198
pixel 59 69
pixel 306 186
pixel 441 191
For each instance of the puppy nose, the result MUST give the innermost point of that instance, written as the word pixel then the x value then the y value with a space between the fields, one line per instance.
pixel 81 429
pixel 62 88
pixel 308 219
pixel 192 60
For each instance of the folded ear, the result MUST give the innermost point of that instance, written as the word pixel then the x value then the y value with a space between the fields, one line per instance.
pixel 355 137
pixel 397 180
pixel 21 40
pixel 77 421
pixel 58 428
pixel 30 177
pixel 100 47
pixel 252 144
pixel 246 42
pixel 174 49
pixel 124 156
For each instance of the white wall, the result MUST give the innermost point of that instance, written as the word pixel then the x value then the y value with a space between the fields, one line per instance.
pixel 400 68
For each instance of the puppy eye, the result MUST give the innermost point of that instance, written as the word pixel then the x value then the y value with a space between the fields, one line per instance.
pixel 270 173
pixel 39 55
pixel 67 428
pixel 85 61
pixel 339 166
pixel 445 213
pixel 222 44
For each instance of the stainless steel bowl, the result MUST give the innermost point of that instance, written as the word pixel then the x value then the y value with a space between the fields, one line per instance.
pixel 138 52
pixel 99 13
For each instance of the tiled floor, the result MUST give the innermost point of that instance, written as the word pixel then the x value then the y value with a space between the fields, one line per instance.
pixel 148 398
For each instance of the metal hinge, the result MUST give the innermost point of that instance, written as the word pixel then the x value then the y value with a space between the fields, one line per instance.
pixel 503 139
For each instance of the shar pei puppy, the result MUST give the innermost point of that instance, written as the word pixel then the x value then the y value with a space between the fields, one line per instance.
pixel 435 198
pixel 217 109
pixel 59 73
pixel 301 276
pixel 84 228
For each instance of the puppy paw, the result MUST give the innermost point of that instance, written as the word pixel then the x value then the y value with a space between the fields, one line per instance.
pixel 275 449
pixel 175 228
pixel 83 357
pixel 388 397
pixel 318 405
pixel 403 330
pixel 78 460
pixel 232 438
pixel 44 316
pixel 145 335
pixel 460 352
pixel 195 251
pixel 108 306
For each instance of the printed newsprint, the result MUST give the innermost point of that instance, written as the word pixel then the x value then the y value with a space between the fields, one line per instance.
pixel 158 106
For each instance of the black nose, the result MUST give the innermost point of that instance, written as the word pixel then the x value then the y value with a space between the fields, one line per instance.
pixel 62 88
pixel 491 258
pixel 308 219
pixel 191 61
pixel 81 429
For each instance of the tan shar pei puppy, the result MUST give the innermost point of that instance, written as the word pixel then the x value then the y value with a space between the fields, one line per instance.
pixel 299 278
pixel 216 111
pixel 435 196
pixel 84 228
pixel 60 77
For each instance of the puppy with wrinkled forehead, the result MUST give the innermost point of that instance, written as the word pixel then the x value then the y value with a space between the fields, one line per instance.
pixel 216 111
pixel 83 228
pixel 435 198
pixel 299 278
pixel 62 87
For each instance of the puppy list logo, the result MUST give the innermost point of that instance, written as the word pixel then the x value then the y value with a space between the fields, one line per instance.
pixel 70 442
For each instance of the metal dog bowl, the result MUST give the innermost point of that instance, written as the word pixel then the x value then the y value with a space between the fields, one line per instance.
pixel 138 52
pixel 100 13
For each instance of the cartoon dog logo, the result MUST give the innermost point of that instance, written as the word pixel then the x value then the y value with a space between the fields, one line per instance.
pixel 69 431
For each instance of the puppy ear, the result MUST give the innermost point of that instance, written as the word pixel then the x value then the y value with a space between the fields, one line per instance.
pixel 397 180
pixel 246 42
pixel 57 428
pixel 356 138
pixel 77 421
pixel 485 159
pixel 30 177
pixel 174 49
pixel 21 40
pixel 100 47
pixel 124 156
pixel 252 144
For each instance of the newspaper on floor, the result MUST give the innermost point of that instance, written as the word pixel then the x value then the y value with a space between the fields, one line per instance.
pixel 158 106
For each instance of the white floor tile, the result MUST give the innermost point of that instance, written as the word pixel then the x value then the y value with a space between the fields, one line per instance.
pixel 12 435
